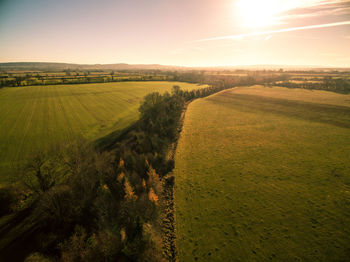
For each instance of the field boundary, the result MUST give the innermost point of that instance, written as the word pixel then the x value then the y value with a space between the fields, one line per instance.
pixel 168 217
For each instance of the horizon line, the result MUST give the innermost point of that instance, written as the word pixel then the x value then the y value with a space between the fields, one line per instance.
pixel 186 66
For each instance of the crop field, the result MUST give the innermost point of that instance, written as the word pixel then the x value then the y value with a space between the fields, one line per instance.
pixel 36 117
pixel 264 174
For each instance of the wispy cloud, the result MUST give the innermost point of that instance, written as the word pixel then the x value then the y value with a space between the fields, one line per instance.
pixel 313 5
pixel 321 9
pixel 268 37
pixel 318 13
pixel 303 37
pixel 260 33
pixel 289 11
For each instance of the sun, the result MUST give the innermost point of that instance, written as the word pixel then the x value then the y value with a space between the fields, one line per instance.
pixel 258 13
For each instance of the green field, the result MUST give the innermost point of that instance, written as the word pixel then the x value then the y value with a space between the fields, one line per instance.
pixel 264 174
pixel 36 117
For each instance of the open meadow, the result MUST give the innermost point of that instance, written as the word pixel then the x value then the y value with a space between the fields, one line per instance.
pixel 37 117
pixel 264 174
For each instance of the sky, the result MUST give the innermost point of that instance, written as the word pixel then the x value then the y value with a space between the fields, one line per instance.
pixel 177 32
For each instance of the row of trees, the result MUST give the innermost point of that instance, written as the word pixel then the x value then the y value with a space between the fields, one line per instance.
pixel 74 77
pixel 29 81
pixel 328 83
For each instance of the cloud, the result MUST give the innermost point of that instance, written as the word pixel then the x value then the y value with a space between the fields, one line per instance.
pixel 339 9
pixel 239 36
pixel 296 10
pixel 267 37
pixel 312 6
pixel 326 12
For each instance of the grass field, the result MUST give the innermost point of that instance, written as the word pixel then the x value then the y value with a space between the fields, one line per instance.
pixel 264 174
pixel 36 117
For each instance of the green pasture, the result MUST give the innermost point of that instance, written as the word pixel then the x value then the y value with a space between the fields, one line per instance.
pixel 263 174
pixel 36 117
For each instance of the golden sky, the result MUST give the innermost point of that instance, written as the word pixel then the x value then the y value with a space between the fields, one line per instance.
pixel 177 32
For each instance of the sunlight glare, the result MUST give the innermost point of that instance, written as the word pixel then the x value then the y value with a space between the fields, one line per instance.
pixel 257 13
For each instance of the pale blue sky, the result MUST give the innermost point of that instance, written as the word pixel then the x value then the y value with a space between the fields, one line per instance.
pixel 168 31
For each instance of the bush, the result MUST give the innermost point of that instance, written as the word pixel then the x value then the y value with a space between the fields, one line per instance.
pixel 37 257
pixel 9 199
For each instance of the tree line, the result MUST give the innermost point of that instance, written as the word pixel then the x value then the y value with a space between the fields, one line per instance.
pixel 328 83
pixel 76 78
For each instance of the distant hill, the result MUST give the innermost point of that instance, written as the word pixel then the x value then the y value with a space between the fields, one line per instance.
pixel 48 66
pixel 32 66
